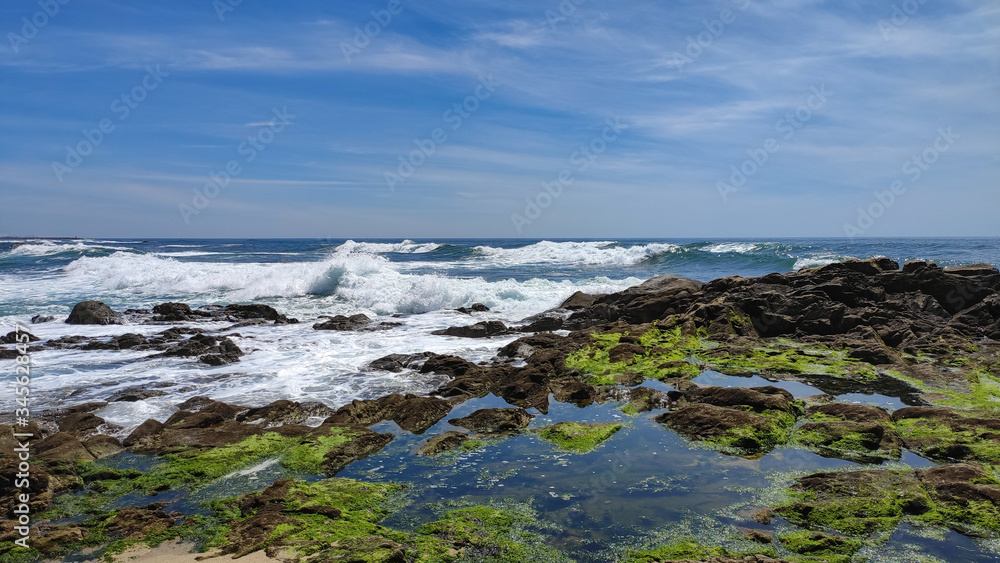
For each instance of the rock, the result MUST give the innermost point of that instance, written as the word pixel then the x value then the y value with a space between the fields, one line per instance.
pixel 483 329
pixel 443 442
pixel 362 444
pixel 143 432
pixel 494 420
pixel 283 412
pixel 474 308
pixel 102 445
pixel 18 337
pixel 340 322
pixel 417 414
pixel 449 365
pixel 137 393
pixel 92 313
pixel 182 420
pixel 80 423
pixel 134 523
pixel 758 399
pixel 62 446
pixel 726 427
pixel 398 362
pixel 254 311
pixel 949 435
pixel 580 300
pixel 174 312
pixel 625 352
pixel 209 350
pixel 39 319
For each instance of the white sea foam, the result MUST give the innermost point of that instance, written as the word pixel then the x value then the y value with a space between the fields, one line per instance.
pixel 405 247
pixel 604 253
pixel 734 247
pixel 47 248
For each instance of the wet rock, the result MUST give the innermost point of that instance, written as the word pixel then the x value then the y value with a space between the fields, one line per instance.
pixel 18 337
pixel 39 319
pixel 134 523
pixel 209 350
pixel 625 352
pixel 576 392
pixel 449 365
pixel 362 444
pixel 494 420
pixel 285 412
pixel 340 322
pixel 92 313
pixel 949 435
pixel 474 308
pixel 645 399
pixel 63 446
pixel 138 393
pixel 102 445
pixel 398 362
pixel 80 423
pixel 483 329
pixel 366 412
pixel 143 433
pixel 443 442
pixel 254 311
pixel 861 502
pixel 727 427
pixel 758 399
pixel 580 300
pixel 178 312
pixel 182 420
pixel 417 414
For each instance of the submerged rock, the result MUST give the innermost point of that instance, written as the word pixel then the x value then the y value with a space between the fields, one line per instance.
pixel 340 322
pixel 494 420
pixel 578 437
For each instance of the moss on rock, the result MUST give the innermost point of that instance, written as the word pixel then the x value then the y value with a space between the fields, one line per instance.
pixel 578 437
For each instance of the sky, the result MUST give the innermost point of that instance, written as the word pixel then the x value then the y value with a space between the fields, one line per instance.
pixel 449 118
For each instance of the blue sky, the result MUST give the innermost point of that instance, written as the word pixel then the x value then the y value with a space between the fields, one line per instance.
pixel 685 111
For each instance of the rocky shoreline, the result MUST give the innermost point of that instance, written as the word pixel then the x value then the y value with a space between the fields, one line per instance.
pixel 931 334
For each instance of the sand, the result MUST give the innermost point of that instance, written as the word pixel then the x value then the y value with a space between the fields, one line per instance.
pixel 181 552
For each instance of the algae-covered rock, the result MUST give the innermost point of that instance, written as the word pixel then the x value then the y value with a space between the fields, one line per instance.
pixel 949 434
pixel 736 420
pixel 854 432
pixel 690 550
pixel 444 442
pixel 578 437
pixel 965 497
pixel 819 546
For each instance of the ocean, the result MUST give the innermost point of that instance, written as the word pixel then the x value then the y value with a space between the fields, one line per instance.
pixel 418 283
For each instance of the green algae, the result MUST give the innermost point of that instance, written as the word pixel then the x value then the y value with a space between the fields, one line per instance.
pixel 687 548
pixel 878 500
pixel 670 354
pixel 818 546
pixel 944 437
pixel 755 440
pixel 194 469
pixel 578 437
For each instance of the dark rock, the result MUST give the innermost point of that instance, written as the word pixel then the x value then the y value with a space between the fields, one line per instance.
pixel 398 362
pixel 285 412
pixel 92 313
pixel 18 337
pixel 137 393
pixel 182 420
pixel 62 446
pixel 417 414
pixel 254 311
pixel 39 319
pixel 483 329
pixel 449 365
pixel 443 442
pixel 474 308
pixel 340 322
pixel 102 445
pixel 172 312
pixel 494 420
pixel 134 523
pixel 580 300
